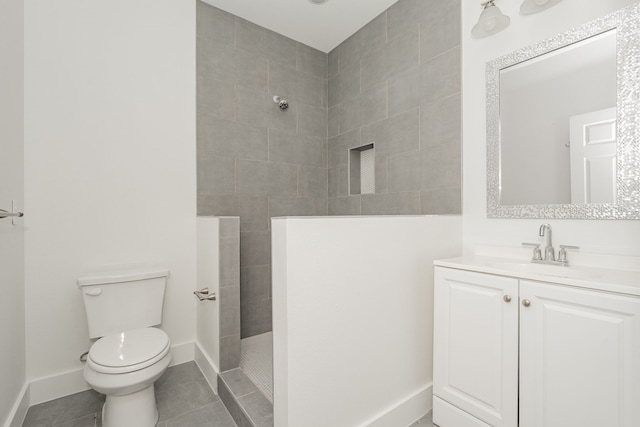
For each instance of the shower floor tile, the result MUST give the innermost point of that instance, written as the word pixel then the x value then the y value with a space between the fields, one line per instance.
pixel 256 361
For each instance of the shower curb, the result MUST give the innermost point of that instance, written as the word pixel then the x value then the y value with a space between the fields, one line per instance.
pixel 244 401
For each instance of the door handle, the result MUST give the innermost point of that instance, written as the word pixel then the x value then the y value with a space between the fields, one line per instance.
pixel 204 295
pixel 6 214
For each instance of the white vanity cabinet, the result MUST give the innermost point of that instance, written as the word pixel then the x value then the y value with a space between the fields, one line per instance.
pixel 513 352
pixel 579 357
pixel 475 360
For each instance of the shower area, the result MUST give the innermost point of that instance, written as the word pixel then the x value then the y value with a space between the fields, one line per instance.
pixel 370 128
pixel 258 157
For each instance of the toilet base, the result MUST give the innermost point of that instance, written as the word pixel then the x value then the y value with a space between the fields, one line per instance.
pixel 132 410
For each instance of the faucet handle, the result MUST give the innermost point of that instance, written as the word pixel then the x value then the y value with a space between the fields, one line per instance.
pixel 562 253
pixel 537 253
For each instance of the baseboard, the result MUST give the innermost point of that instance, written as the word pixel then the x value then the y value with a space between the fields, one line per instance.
pixel 182 353
pixel 70 382
pixel 207 367
pixel 55 386
pixel 19 409
pixel 405 412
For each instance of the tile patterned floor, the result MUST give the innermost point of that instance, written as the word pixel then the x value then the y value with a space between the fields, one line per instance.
pixel 184 400
pixel 424 421
pixel 183 396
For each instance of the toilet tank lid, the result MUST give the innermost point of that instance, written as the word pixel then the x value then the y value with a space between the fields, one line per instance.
pixel 122 275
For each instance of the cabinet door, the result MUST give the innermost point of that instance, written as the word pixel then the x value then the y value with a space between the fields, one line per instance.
pixel 476 345
pixel 579 357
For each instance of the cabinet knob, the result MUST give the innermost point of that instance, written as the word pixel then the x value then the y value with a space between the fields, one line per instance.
pixel 507 298
pixel 526 302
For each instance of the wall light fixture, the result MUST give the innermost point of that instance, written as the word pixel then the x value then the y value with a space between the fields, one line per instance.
pixel 529 7
pixel 491 20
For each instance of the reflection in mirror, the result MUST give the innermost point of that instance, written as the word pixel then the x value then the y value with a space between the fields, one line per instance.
pixel 563 124
pixel 544 103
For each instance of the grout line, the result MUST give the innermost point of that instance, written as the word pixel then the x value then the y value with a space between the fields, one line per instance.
pixel 236 400
pixel 444 52
pixel 247 412
pixel 192 411
pixel 386 97
pixel 235 177
pixel 419 44
pixel 238 396
pixel 386 26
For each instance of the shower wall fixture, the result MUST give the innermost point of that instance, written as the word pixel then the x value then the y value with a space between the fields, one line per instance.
pixel 282 103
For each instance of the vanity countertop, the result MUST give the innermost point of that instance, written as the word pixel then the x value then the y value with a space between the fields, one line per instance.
pixel 603 279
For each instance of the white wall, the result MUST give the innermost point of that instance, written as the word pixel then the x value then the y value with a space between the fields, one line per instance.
pixel 616 237
pixel 353 317
pixel 109 164
pixel 208 313
pixel 12 326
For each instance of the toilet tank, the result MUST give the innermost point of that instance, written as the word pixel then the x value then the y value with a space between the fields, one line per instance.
pixel 122 300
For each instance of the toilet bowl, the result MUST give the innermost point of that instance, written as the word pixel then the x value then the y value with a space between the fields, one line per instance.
pixel 130 355
pixel 124 367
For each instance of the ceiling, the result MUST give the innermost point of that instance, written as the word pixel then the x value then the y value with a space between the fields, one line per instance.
pixel 320 26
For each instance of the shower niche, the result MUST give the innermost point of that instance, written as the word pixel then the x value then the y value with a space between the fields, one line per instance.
pixel 362 178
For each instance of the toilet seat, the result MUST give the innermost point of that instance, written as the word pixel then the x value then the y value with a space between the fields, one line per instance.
pixel 128 351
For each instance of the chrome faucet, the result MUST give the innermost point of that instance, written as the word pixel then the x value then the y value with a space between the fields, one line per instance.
pixel 549 252
pixel 545 231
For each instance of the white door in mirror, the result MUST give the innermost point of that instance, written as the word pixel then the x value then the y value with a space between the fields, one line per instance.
pixel 593 157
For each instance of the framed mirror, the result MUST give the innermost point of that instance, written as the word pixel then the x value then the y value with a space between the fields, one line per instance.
pixel 563 124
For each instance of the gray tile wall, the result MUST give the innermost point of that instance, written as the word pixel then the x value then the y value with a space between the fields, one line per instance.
pixel 254 160
pixel 229 297
pixel 396 83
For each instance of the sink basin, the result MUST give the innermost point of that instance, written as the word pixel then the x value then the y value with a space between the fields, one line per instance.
pixel 545 269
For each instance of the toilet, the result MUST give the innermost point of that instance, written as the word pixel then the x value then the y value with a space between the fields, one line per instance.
pixel 130 354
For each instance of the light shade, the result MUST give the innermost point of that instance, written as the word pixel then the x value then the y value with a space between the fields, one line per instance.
pixel 529 7
pixel 491 21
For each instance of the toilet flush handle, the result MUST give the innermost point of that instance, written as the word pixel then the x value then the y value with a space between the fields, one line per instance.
pixel 93 292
